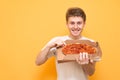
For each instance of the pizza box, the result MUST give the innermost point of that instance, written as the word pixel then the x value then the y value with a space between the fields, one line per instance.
pixel 61 57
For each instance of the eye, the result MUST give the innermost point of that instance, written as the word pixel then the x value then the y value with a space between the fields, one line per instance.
pixel 72 23
pixel 79 23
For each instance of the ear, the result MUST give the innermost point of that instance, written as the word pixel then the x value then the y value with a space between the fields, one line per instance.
pixel 66 24
pixel 84 24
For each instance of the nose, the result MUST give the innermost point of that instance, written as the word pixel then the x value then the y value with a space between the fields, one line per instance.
pixel 76 25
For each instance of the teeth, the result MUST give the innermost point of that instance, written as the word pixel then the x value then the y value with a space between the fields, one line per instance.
pixel 75 30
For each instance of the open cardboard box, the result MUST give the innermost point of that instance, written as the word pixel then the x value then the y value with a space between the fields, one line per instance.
pixel 61 57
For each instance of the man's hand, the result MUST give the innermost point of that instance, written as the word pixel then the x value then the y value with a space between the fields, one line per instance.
pixel 58 43
pixel 83 58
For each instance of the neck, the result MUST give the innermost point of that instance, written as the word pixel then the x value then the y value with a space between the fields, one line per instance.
pixel 75 37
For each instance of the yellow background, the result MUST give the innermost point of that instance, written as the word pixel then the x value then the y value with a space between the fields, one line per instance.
pixel 27 25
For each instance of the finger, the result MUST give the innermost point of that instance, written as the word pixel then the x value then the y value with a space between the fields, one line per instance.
pixel 63 43
pixel 59 44
pixel 80 57
pixel 55 44
pixel 91 60
pixel 84 55
pixel 85 59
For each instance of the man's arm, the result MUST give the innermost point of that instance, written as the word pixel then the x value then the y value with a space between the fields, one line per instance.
pixel 43 55
pixel 89 68
pixel 87 64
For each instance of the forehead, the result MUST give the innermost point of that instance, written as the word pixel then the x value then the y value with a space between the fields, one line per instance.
pixel 75 19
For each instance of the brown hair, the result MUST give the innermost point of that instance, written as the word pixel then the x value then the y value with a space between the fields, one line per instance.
pixel 75 11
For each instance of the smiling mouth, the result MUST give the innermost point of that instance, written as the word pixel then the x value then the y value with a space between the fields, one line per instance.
pixel 76 30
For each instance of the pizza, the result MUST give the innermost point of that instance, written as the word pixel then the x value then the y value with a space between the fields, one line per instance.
pixel 77 48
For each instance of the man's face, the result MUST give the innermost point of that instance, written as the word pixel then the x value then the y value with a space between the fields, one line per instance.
pixel 75 25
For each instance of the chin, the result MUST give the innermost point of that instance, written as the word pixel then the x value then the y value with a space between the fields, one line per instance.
pixel 76 35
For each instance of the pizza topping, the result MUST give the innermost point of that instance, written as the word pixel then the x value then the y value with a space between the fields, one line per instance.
pixel 78 48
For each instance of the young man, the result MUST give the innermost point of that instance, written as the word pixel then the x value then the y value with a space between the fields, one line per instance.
pixel 83 66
